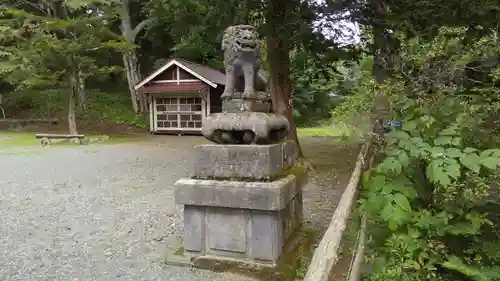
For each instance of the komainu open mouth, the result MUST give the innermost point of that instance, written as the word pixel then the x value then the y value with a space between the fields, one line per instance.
pixel 246 44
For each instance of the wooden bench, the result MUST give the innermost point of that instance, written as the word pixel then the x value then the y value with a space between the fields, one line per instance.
pixel 46 138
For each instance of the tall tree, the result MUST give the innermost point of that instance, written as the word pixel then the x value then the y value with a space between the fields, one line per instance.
pixel 289 25
pixel 53 51
pixel 278 16
pixel 130 60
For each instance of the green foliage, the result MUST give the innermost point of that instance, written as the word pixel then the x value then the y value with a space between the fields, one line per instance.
pixel 313 83
pixel 50 50
pixel 359 90
pixel 314 80
pixel 108 108
pixel 115 109
pixel 434 187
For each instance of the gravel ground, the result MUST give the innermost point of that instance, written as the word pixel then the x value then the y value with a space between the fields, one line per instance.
pixel 93 212
pixel 106 212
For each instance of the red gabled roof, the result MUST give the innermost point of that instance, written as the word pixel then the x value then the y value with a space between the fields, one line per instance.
pixel 206 74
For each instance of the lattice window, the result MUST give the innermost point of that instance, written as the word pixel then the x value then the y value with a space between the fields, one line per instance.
pixel 179 112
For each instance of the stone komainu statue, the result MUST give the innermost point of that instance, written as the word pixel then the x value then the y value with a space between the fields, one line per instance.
pixel 245 77
pixel 246 116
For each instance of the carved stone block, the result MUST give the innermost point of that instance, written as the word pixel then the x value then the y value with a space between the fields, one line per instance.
pixel 245 128
pixel 232 161
pixel 239 105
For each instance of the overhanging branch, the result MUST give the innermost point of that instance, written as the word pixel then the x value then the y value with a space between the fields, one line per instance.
pixel 139 28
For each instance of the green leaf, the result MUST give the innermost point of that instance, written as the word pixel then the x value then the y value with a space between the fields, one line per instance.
pixel 471 161
pixel 428 120
pixel 417 141
pixel 394 214
pixel 402 201
pixel 456 141
pixel 450 131
pixel 375 182
pixel 413 232
pixel 409 191
pixel 390 164
pixel 386 213
pixel 406 144
pixel 452 167
pixel 437 151
pixel 401 135
pixel 393 226
pixel 403 158
pixel 488 153
pixel 476 273
pixel 445 140
pixel 409 126
pixel 387 189
pixel 437 174
pixel 469 150
pixel 453 152
pixel 412 264
pixel 491 163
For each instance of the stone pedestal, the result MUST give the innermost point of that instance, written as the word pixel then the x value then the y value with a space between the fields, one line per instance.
pixel 244 202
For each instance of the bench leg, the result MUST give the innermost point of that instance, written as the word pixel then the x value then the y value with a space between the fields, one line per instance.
pixel 45 141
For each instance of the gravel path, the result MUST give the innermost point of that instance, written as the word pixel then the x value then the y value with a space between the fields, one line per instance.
pixel 106 212
pixel 93 212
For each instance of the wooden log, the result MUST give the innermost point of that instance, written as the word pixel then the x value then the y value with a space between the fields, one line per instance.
pixel 357 264
pixel 58 136
pixel 355 273
pixel 326 254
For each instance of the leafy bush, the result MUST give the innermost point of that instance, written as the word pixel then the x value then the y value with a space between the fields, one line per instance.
pixel 114 108
pixel 435 192
pixel 355 112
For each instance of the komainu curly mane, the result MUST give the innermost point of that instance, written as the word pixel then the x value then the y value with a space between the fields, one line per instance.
pixel 238 39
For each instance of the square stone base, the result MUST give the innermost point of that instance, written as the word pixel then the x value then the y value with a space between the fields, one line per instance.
pixel 238 211
pixel 241 234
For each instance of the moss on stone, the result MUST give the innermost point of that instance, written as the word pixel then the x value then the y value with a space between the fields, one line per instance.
pixel 179 251
pixel 296 170
pixel 293 262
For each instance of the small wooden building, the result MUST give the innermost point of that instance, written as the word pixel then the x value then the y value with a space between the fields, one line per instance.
pixel 181 94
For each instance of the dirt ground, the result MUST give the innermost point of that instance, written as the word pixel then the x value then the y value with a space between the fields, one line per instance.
pixel 104 211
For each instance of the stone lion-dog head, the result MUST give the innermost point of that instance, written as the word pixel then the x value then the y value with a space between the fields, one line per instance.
pixel 240 39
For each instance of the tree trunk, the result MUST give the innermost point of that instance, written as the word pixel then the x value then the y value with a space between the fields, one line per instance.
pixel 383 56
pixel 278 48
pixel 73 98
pixel 71 110
pixel 131 69
pixel 139 101
pixel 1 107
pixel 383 42
pixel 82 92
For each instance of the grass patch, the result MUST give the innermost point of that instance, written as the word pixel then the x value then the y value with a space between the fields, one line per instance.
pixel 9 139
pixel 324 131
